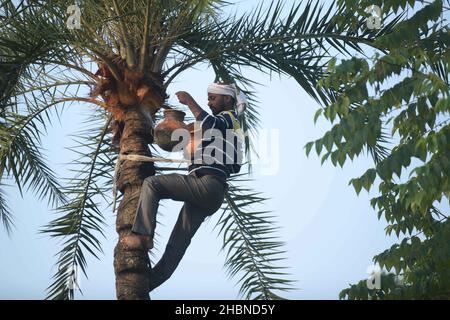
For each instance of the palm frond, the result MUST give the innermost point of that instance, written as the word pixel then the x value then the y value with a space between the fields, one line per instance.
pixel 380 151
pixel 298 45
pixel 20 154
pixel 9 10
pixel 252 249
pixel 81 221
pixel 35 87
pixel 27 111
pixel 39 93
pixel 6 217
pixel 30 37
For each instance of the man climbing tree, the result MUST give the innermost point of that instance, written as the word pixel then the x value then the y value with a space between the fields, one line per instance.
pixel 202 190
pixel 121 60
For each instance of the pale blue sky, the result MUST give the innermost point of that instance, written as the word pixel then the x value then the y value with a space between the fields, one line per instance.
pixel 331 234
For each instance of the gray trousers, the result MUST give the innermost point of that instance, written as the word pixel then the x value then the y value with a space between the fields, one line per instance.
pixel 202 196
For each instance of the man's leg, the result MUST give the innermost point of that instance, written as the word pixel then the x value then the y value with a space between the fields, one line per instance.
pixel 178 187
pixel 189 220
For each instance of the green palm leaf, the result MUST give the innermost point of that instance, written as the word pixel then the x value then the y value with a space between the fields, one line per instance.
pixel 298 45
pixel 252 250
pixel 5 212
pixel 81 221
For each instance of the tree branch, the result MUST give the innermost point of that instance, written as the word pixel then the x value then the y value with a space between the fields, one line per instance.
pixel 145 41
pixel 129 51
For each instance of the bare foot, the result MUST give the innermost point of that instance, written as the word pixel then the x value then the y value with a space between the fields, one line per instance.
pixel 135 241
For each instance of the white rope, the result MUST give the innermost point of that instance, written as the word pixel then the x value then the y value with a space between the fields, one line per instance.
pixel 136 157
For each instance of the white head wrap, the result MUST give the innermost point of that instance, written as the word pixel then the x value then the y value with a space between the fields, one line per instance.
pixel 230 90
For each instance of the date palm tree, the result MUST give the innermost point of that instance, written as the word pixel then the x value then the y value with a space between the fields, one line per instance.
pixel 127 53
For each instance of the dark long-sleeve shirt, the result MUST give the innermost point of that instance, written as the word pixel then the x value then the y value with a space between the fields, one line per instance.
pixel 220 150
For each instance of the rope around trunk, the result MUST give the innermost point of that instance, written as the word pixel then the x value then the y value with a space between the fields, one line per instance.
pixel 137 157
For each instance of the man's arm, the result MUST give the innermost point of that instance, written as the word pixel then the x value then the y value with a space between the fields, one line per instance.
pixel 186 98
pixel 219 122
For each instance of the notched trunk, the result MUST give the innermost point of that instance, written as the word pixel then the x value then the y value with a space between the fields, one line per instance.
pixel 132 266
pixel 133 97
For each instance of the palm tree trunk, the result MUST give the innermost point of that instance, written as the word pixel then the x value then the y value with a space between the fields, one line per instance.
pixel 132 266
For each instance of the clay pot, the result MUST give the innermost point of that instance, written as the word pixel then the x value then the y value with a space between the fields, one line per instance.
pixel 173 119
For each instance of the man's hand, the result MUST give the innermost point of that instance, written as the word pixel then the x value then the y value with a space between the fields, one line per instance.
pixel 184 97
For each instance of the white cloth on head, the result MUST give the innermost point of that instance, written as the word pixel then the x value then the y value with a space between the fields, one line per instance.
pixel 230 90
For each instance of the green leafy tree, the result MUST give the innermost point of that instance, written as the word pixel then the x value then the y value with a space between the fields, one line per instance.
pixel 396 106
pixel 127 53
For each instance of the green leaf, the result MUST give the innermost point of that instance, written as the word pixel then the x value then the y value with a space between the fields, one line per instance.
pixel 357 185
pixel 308 147
pixel 318 144
pixel 368 179
pixel 421 149
pixel 317 114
